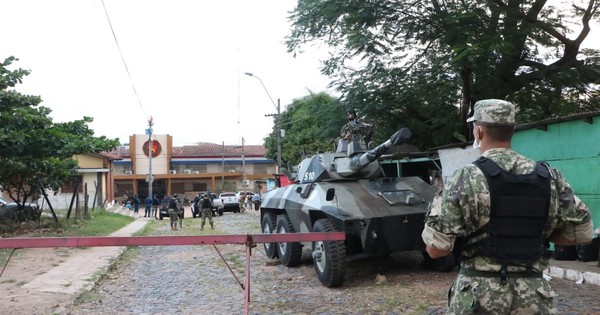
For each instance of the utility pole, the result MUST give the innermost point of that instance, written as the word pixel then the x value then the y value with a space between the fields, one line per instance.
pixel 277 119
pixel 243 165
pixel 150 153
pixel 278 129
pixel 222 165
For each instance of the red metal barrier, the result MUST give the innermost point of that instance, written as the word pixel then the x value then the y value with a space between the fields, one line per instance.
pixel 38 242
pixel 249 240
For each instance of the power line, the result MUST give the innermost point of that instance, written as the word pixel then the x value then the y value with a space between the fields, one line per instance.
pixel 123 58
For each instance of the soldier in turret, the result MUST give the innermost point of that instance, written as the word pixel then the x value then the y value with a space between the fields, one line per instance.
pixel 356 127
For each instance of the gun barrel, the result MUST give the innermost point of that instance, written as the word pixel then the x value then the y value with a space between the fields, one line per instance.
pixel 364 159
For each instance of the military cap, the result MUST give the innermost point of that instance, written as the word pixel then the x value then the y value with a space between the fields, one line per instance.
pixel 493 111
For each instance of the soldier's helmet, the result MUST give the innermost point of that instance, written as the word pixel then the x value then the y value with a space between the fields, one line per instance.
pixel 351 114
pixel 174 195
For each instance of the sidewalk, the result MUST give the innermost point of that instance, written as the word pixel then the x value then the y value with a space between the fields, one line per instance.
pixel 80 271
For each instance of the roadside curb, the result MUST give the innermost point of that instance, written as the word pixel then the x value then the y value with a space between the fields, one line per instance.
pixel 574 275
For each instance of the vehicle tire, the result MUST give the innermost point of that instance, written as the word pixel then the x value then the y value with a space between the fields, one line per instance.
pixel 220 212
pixel 289 253
pixel 444 264
pixel 329 257
pixel 269 222
pixel 160 216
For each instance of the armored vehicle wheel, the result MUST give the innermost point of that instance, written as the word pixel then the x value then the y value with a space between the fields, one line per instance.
pixel 160 216
pixel 269 221
pixel 443 264
pixel 329 257
pixel 289 253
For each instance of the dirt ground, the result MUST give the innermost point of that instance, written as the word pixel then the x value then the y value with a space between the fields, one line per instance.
pixel 23 267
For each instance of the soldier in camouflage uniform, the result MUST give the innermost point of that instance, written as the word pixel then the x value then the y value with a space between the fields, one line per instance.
pixel 356 127
pixel 206 204
pixel 174 211
pixel 463 215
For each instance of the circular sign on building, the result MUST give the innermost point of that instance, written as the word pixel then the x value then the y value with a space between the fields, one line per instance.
pixel 156 148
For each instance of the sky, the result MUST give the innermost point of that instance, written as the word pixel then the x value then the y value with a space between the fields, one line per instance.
pixel 186 63
pixel 185 60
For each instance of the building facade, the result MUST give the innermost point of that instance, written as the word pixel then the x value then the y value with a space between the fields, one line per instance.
pixel 187 170
pixel 93 183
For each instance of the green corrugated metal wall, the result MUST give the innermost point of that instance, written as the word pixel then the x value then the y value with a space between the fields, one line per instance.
pixel 573 147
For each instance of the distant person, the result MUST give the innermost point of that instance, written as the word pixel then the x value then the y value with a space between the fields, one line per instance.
pixel 256 201
pixel 148 203
pixel 195 207
pixel 206 205
pixel 155 205
pixel 136 204
pixel 174 212
pixel 498 214
pixel 248 203
pixel 241 201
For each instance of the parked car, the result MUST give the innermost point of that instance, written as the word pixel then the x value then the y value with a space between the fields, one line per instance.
pixel 230 201
pixel 163 209
pixel 8 211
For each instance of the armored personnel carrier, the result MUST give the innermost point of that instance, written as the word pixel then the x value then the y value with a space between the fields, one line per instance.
pixel 347 191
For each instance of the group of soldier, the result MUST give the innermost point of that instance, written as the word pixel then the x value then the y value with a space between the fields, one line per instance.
pixel 203 202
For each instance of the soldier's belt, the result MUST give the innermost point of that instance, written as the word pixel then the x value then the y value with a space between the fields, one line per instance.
pixel 497 274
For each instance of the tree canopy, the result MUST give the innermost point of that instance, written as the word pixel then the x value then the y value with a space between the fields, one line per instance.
pixel 35 151
pixel 311 124
pixel 423 64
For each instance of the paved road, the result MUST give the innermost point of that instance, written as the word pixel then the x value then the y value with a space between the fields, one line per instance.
pixel 194 280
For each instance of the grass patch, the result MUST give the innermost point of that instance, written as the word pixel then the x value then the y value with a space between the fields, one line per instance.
pixel 9 281
pixel 97 223
pixel 87 296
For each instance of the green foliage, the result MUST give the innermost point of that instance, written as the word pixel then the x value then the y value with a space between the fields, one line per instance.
pixel 35 151
pixel 423 64
pixel 311 124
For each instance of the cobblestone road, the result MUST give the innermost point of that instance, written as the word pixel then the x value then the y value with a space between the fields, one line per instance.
pixel 194 280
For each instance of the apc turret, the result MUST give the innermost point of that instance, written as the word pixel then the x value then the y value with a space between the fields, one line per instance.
pixel 348 191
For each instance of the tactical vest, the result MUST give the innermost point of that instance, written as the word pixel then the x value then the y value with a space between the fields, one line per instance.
pixel 518 216
pixel 205 203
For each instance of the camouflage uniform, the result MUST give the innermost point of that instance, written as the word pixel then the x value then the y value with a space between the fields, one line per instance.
pixel 174 212
pixel 206 212
pixel 464 206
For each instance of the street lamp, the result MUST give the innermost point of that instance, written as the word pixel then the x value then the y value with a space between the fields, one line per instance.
pixel 277 123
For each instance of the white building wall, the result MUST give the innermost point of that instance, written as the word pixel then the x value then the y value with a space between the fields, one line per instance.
pixel 160 164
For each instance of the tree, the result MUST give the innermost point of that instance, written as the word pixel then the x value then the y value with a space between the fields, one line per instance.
pixel 36 152
pixel 311 124
pixel 425 63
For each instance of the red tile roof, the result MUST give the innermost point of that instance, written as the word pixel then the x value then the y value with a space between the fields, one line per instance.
pixel 206 149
